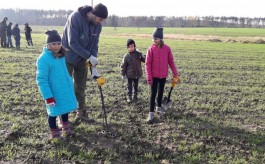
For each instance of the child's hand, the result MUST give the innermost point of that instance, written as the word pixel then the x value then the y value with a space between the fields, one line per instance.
pixel 176 79
pixel 123 77
pixel 50 101
pixel 150 82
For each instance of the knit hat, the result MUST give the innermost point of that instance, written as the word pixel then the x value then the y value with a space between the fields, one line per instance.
pixel 100 10
pixel 52 36
pixel 129 42
pixel 158 33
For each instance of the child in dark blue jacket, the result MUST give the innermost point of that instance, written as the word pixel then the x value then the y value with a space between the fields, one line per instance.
pixel 16 34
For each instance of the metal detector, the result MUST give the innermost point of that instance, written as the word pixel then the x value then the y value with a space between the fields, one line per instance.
pixel 100 81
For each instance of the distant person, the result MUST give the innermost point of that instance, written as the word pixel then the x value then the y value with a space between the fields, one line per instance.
pixel 28 30
pixel 56 85
pixel 3 27
pixel 131 69
pixel 16 34
pixel 81 37
pixel 158 58
pixel 9 35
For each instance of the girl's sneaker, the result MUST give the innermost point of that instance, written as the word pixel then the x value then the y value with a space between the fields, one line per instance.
pixel 160 110
pixel 135 98
pixel 129 99
pixel 150 118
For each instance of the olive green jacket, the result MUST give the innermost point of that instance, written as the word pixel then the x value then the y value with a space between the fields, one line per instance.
pixel 131 65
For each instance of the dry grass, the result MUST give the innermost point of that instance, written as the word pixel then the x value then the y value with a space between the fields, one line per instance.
pixel 211 38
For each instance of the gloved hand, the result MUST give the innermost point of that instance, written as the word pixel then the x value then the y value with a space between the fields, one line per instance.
pixel 94 72
pixel 176 79
pixel 123 77
pixel 93 60
pixel 150 82
pixel 50 101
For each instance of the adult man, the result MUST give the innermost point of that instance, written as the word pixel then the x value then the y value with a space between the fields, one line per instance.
pixel 81 37
pixel 3 26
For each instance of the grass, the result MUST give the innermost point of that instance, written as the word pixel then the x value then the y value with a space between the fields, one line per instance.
pixel 217 114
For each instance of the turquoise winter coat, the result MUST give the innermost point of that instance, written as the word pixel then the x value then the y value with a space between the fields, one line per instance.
pixel 54 81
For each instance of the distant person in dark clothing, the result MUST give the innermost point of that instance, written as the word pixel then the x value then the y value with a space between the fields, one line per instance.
pixel 3 27
pixel 16 34
pixel 28 30
pixel 9 35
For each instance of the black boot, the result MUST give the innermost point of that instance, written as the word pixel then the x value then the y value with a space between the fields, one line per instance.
pixel 135 97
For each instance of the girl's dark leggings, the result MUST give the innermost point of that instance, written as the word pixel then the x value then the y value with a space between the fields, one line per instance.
pixel 158 84
pixel 52 120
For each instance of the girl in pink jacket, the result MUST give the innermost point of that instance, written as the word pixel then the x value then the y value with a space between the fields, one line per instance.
pixel 158 58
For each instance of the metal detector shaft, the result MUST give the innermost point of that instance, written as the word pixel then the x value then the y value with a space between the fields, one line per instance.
pixel 101 96
pixel 103 108
pixel 169 94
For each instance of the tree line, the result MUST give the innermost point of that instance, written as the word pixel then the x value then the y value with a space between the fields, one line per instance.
pixel 59 17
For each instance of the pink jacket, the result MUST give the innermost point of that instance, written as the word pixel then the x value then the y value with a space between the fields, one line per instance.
pixel 157 62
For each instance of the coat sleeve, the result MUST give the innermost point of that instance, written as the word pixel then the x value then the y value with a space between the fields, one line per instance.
pixel 73 39
pixel 142 57
pixel 42 78
pixel 148 64
pixel 172 64
pixel 124 65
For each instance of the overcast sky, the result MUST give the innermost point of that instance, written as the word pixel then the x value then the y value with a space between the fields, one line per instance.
pixel 239 8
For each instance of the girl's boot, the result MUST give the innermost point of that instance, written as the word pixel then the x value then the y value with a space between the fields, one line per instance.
pixel 56 135
pixel 66 130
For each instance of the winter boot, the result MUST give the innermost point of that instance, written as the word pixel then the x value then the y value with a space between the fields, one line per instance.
pixel 150 118
pixel 81 114
pixel 160 110
pixel 129 99
pixel 66 130
pixel 135 97
pixel 56 135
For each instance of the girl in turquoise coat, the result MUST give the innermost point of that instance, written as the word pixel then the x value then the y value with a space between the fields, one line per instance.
pixel 56 85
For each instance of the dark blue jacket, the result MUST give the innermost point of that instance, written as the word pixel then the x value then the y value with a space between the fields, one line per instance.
pixel 28 30
pixel 8 30
pixel 16 33
pixel 81 37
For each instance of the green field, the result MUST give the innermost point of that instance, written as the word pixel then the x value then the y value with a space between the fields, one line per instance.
pixel 217 114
